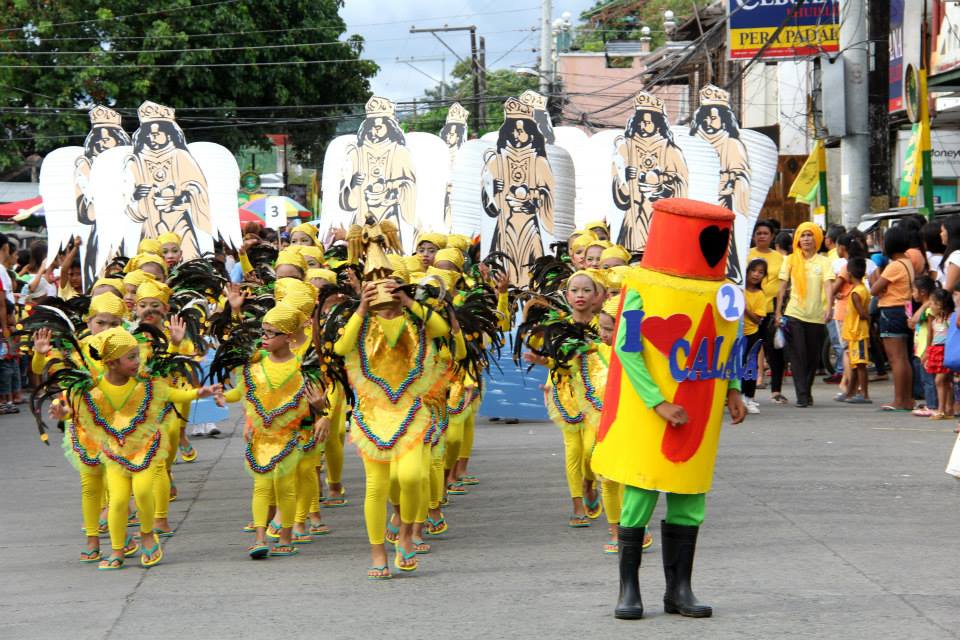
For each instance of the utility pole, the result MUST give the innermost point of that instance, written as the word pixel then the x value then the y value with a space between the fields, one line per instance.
pixel 855 146
pixel 483 83
pixel 546 46
pixel 473 61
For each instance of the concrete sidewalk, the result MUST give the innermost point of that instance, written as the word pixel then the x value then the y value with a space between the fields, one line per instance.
pixel 831 522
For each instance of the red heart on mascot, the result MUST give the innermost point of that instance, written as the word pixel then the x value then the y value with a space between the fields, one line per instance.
pixel 664 332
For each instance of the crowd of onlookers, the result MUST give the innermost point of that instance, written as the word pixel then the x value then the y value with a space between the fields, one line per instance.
pixel 884 301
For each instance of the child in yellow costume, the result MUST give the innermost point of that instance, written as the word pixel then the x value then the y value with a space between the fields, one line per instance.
pixel 571 393
pixel 386 352
pixel 152 308
pixel 277 399
pixel 106 311
pixel 303 297
pixel 676 363
pixel 123 414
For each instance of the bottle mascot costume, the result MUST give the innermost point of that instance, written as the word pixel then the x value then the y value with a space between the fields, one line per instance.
pixel 677 363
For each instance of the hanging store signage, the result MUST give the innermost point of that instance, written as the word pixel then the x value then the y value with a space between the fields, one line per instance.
pixel 811 28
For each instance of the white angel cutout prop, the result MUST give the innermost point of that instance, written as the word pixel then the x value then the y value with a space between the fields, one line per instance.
pixel 58 191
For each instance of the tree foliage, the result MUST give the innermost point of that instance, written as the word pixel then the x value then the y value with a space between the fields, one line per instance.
pixel 610 20
pixel 501 84
pixel 118 45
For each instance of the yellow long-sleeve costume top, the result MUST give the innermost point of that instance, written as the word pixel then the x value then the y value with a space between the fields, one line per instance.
pixel 79 448
pixel 125 420
pixel 574 394
pixel 308 438
pixel 448 379
pixel 275 403
pixel 388 365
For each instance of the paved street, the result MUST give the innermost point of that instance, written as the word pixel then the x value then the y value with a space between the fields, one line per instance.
pixel 831 522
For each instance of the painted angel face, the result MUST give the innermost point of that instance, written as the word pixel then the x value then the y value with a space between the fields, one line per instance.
pixel 452 138
pixel 712 122
pixel 105 141
pixel 647 126
pixel 157 138
pixel 378 131
pixel 519 135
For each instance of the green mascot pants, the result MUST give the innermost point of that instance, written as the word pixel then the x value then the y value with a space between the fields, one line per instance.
pixel 682 509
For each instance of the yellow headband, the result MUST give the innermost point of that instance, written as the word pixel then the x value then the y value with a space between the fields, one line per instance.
pixel 449 278
pixel 615 252
pixel 595 276
pixel 153 289
pixel 583 241
pixel 292 257
pixel 106 303
pixel 603 244
pixel 136 278
pixel 286 318
pixel 399 267
pixel 137 262
pixel 436 239
pixel 149 245
pixel 454 256
pixel 413 263
pixel 312 252
pixel 457 241
pixel 113 343
pixel 168 238
pixel 322 274
pixel 307 229
pixel 616 275
pixel 115 283
pixel 597 224
pixel 297 293
pixel 611 305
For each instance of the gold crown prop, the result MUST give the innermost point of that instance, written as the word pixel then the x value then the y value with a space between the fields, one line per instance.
pixel 513 108
pixel 713 95
pixel 648 102
pixel 534 99
pixel 153 112
pixel 457 114
pixel 379 108
pixel 101 116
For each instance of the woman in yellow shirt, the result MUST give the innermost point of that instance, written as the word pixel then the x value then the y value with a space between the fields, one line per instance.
pixel 763 235
pixel 809 276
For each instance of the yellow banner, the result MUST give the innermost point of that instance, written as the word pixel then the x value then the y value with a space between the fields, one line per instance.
pixel 804 187
pixel 744 43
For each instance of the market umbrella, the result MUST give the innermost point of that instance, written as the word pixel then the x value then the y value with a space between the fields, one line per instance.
pixel 293 208
pixel 249 216
pixel 22 209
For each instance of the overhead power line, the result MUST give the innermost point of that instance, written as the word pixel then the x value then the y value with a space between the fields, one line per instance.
pixel 124 17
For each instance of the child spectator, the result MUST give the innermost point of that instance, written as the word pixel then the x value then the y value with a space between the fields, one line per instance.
pixel 941 306
pixel 856 332
pixel 924 286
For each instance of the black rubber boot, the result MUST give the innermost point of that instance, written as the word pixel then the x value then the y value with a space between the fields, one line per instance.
pixel 679 545
pixel 629 605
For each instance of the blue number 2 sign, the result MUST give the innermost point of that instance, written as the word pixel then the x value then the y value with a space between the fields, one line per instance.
pixel 730 302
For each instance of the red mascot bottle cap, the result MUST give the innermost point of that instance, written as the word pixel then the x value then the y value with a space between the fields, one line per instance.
pixel 689 239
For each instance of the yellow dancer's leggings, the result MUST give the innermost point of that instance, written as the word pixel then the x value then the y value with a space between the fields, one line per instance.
pixel 405 474
pixel 120 483
pixel 612 493
pixel 164 463
pixel 270 488
pixel 92 497
pixel 437 481
pixel 454 437
pixel 427 471
pixel 308 487
pixel 577 448
pixel 333 446
pixel 466 445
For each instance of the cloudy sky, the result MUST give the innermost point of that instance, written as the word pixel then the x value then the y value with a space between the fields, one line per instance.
pixel 385 27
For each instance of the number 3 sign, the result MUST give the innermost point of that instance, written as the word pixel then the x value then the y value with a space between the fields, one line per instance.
pixel 275 213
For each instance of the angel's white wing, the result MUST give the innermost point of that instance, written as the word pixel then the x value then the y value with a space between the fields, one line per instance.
pixel 112 189
pixel 575 142
pixel 763 156
pixel 465 199
pixel 220 169
pixel 58 190
pixel 431 166
pixel 335 164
